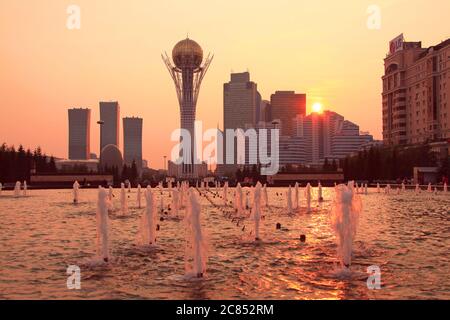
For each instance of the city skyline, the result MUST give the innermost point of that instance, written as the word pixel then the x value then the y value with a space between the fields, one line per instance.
pixel 81 77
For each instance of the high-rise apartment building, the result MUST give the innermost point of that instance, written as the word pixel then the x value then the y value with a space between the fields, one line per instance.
pixel 79 133
pixel 132 141
pixel 321 136
pixel 110 124
pixel 416 93
pixel 285 106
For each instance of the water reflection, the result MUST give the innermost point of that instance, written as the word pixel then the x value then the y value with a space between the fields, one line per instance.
pixel 406 235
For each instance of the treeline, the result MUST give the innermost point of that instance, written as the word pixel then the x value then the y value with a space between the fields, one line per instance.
pixel 16 165
pixel 390 163
pixel 250 173
pixel 129 173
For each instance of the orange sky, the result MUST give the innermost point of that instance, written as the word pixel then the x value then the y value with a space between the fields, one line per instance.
pixel 322 48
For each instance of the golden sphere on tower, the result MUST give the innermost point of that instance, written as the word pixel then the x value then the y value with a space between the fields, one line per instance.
pixel 187 54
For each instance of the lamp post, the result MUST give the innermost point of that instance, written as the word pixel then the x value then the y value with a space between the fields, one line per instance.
pixel 100 123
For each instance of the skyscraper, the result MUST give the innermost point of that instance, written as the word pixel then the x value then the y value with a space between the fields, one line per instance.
pixel 240 99
pixel 241 108
pixel 285 106
pixel 132 141
pixel 416 93
pixel 322 136
pixel 110 119
pixel 187 74
pixel 79 134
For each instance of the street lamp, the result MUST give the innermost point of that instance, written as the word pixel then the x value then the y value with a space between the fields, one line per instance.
pixel 100 123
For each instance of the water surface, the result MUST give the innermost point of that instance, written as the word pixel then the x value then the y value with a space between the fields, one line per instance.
pixel 406 235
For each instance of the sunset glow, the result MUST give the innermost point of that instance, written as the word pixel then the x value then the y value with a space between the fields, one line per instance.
pixel 317 107
pixel 116 55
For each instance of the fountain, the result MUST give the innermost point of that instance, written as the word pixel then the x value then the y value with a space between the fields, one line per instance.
pixel 76 187
pixel 175 201
pixel 123 199
pixel 429 189
pixel 25 188
pixel 308 197
pixel 110 198
pixel 225 193
pixel 238 199
pixel 102 225
pixel 138 196
pixel 266 196
pixel 319 193
pixel 161 204
pixel 366 190
pixel 344 214
pixel 417 188
pixel 256 209
pixel 246 199
pixel 148 220
pixel 196 248
pixel 17 188
pixel 403 187
pixel 289 200
pixel 181 189
pixel 378 188
pixel 297 200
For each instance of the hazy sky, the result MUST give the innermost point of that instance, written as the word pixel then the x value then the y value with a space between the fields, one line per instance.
pixel 322 48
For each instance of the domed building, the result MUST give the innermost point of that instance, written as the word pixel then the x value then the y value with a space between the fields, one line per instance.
pixel 111 157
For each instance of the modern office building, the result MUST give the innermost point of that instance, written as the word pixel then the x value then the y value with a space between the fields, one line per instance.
pixel 110 124
pixel 265 111
pixel 241 109
pixel 285 106
pixel 416 93
pixel 79 134
pixel 240 101
pixel 187 71
pixel 132 141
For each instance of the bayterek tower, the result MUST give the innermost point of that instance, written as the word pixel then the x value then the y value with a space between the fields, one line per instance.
pixel 187 71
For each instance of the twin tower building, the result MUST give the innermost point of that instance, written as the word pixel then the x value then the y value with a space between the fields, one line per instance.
pixel 110 155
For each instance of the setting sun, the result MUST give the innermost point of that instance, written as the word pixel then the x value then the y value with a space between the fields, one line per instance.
pixel 317 107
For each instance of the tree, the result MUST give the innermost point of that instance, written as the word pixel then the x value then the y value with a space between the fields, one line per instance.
pixel 133 172
pixel 125 173
pixel 334 165
pixel 326 165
